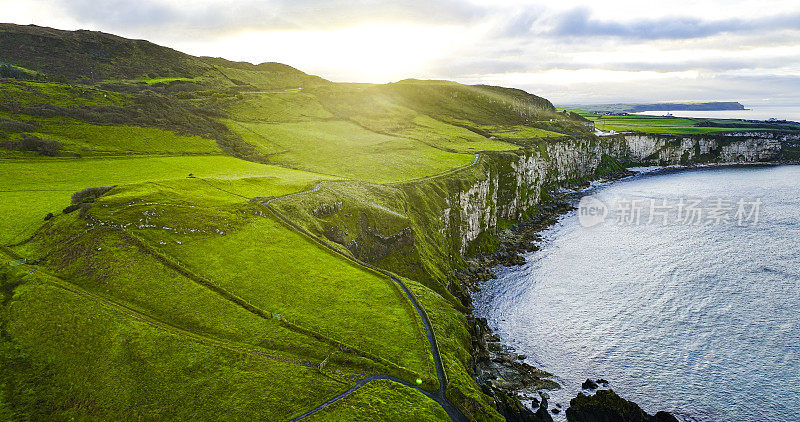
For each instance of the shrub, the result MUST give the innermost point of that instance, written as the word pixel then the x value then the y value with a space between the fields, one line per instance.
pixel 11 125
pixel 90 194
pixel 27 142
pixel 46 147
pixel 71 208
pixel 11 72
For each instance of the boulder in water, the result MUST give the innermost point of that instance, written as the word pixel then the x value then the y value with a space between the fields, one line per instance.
pixel 589 385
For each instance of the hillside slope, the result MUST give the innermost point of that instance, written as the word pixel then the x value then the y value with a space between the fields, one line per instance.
pixel 250 241
pixel 92 56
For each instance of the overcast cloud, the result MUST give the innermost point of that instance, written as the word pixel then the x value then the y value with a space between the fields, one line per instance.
pixel 572 51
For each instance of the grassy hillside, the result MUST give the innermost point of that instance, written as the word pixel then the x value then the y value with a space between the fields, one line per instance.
pixel 33 188
pixel 144 263
pixel 70 353
pixel 91 56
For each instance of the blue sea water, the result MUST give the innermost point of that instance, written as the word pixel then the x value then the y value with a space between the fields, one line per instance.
pixel 699 319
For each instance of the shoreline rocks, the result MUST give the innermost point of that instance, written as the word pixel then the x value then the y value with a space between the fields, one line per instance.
pixel 500 372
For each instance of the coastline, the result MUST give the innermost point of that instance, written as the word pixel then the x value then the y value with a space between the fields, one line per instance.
pixel 499 370
pixel 451 232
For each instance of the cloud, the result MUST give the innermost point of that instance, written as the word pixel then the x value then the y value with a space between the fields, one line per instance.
pixel 580 23
pixel 519 23
pixel 221 16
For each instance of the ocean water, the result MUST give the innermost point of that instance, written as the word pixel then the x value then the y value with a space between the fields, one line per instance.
pixel 757 112
pixel 699 319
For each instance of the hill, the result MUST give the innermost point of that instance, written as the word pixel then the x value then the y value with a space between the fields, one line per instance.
pixel 92 56
pixel 146 261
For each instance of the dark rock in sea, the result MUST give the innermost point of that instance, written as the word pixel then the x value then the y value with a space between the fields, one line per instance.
pixel 607 406
pixel 602 382
pixel 664 417
pixel 589 385
pixel 512 409
pixel 555 410
pixel 543 416
pixel 534 403
pixel 541 412
pixel 522 357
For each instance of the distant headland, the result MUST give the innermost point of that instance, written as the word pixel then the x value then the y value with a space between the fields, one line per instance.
pixel 676 106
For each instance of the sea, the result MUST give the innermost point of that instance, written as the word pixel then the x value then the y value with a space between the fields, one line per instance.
pixel 681 288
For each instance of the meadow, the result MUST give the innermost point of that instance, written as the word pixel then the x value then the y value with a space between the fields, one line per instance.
pixel 168 290
pixel 344 149
pixel 165 252
pixel 369 404
pixel 80 355
pixel 32 188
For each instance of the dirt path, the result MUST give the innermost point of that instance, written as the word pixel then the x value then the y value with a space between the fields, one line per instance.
pixel 440 395
pixel 432 395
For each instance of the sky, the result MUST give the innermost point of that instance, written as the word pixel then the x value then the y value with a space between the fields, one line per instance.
pixel 567 51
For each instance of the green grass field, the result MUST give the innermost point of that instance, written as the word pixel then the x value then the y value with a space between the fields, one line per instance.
pixel 30 189
pixel 88 140
pixel 28 93
pixel 74 356
pixel 345 149
pixel 371 403
pixel 179 238
pixel 278 107
pixel 650 124
pixel 660 124
pixel 151 81
pixel 452 138
pixel 177 294
pixel 362 132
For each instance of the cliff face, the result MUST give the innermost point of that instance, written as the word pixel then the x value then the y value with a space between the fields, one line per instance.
pixel 514 184
pixel 666 150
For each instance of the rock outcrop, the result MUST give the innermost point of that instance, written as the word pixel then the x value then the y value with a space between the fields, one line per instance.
pixel 607 406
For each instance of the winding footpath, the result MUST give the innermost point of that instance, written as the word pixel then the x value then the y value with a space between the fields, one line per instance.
pixel 440 395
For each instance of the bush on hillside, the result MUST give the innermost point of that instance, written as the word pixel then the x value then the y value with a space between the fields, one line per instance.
pixel 11 72
pixel 27 142
pixel 11 125
pixel 90 194
pixel 46 147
